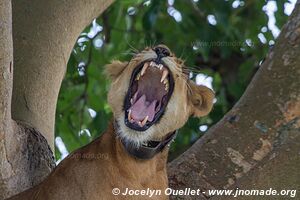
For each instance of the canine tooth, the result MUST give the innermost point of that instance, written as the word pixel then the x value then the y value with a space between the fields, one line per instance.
pixel 129 115
pixel 145 120
pixel 164 75
pixel 140 124
pixel 160 66
pixel 144 68
pixel 135 96
pixel 151 63
pixel 131 101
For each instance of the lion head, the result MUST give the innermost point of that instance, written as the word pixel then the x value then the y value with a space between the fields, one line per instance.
pixel 151 95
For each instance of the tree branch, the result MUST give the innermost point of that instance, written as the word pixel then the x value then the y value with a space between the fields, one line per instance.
pixel 6 62
pixel 44 35
pixel 258 140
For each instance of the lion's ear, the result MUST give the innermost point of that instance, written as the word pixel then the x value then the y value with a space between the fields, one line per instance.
pixel 115 68
pixel 201 98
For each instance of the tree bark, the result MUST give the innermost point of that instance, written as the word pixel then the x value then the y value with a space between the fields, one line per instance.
pixel 44 33
pixel 6 76
pixel 25 157
pixel 256 145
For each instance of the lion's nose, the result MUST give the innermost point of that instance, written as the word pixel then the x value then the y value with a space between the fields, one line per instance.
pixel 161 52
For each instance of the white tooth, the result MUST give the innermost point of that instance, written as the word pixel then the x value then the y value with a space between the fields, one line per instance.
pixel 161 66
pixel 129 115
pixel 135 96
pixel 154 64
pixel 164 75
pixel 151 63
pixel 145 120
pixel 166 81
pixel 144 68
pixel 167 86
pixel 140 124
pixel 138 76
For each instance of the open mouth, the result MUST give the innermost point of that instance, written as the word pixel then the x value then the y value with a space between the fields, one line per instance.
pixel 150 89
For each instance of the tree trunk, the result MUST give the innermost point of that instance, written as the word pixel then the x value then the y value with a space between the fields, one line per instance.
pixel 44 33
pixel 6 75
pixel 256 145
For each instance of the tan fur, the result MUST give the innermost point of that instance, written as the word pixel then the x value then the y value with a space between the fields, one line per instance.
pixel 93 171
pixel 187 99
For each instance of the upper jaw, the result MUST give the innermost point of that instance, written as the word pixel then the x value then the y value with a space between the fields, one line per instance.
pixel 139 115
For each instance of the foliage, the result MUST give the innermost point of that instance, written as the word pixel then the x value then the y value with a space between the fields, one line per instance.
pixel 217 38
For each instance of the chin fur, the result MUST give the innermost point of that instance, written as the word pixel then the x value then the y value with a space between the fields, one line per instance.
pixel 137 138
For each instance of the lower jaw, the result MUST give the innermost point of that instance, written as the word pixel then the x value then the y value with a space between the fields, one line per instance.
pixel 133 135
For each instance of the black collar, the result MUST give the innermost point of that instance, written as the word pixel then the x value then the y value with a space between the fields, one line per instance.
pixel 149 149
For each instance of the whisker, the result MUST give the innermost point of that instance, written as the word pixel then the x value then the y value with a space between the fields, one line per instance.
pixel 152 45
pixel 182 53
pixel 193 69
pixel 129 53
pixel 131 47
pixel 188 85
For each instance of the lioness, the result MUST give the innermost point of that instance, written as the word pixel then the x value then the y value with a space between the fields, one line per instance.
pixel 151 97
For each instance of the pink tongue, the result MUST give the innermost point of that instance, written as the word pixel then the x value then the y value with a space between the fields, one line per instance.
pixel 142 108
